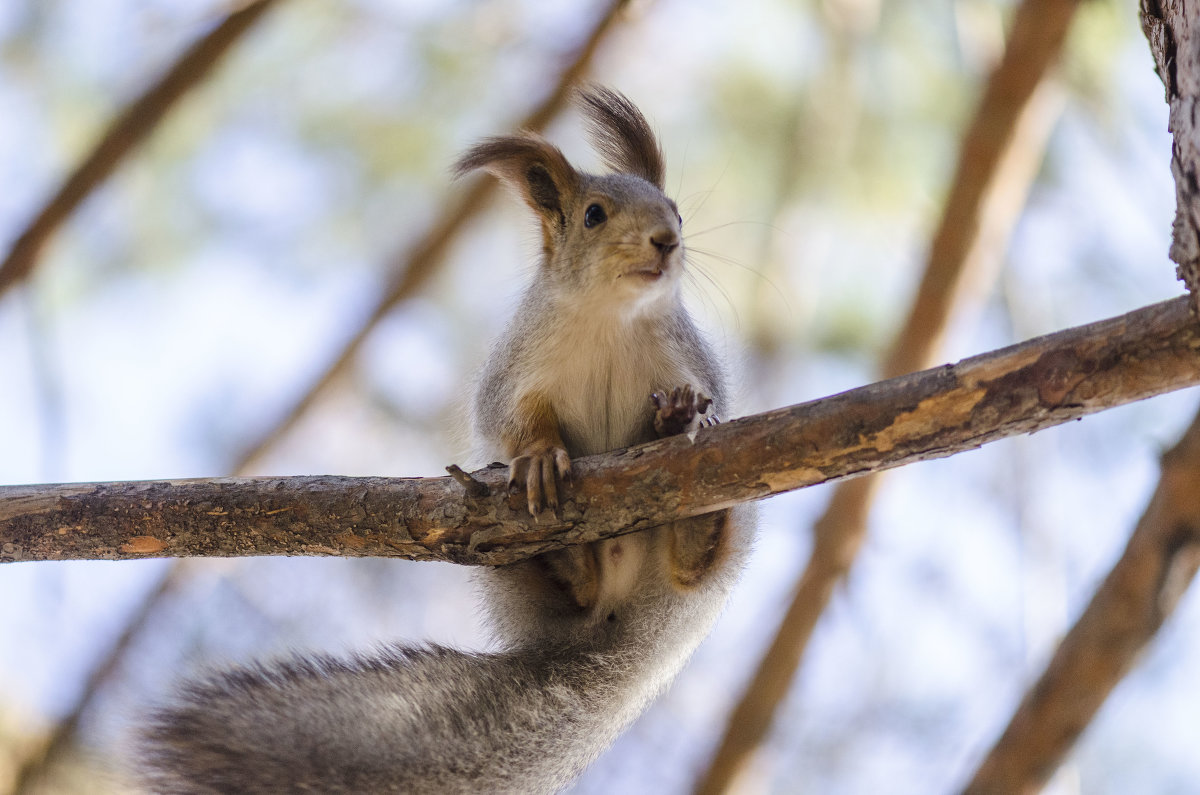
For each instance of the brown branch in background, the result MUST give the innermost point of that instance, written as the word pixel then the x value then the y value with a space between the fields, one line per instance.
pixel 128 130
pixel 1001 152
pixel 1135 599
pixel 931 414
pixel 413 269
pixel 32 772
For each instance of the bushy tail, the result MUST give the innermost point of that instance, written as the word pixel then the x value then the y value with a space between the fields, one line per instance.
pixel 526 719
pixel 430 720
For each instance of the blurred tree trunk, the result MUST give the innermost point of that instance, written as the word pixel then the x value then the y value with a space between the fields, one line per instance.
pixel 1127 610
pixel 1173 30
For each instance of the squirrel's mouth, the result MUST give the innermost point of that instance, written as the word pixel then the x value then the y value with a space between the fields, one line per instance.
pixel 649 274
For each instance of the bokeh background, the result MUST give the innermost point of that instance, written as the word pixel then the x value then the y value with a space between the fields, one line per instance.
pixel 197 293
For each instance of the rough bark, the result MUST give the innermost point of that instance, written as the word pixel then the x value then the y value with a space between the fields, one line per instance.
pixel 1173 30
pixel 1001 151
pixel 1139 593
pixel 1020 389
pixel 129 129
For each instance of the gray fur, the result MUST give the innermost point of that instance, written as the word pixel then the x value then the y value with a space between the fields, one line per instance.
pixel 431 720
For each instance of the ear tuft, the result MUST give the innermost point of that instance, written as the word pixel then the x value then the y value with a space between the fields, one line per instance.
pixel 621 134
pixel 536 169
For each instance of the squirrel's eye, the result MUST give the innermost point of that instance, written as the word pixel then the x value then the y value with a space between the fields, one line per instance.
pixel 594 215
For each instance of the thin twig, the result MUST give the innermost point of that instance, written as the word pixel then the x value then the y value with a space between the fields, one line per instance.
pixel 471 486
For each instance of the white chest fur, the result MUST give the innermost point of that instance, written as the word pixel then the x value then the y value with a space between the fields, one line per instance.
pixel 598 374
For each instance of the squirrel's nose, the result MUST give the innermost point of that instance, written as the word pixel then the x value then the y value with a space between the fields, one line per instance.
pixel 665 240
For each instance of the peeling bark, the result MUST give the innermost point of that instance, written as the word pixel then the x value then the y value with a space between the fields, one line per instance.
pixel 931 414
pixel 1171 28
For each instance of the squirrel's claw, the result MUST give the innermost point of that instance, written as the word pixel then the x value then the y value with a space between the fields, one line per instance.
pixel 680 411
pixel 538 473
pixel 540 486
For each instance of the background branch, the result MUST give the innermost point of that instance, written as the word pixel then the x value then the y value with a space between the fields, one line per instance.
pixel 133 125
pixel 1136 598
pixel 60 739
pixel 1163 553
pixel 129 129
pixel 1020 389
pixel 412 270
pixel 1001 151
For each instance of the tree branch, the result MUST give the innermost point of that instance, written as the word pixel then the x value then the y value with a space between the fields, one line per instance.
pixel 997 163
pixel 935 413
pixel 1139 594
pixel 128 130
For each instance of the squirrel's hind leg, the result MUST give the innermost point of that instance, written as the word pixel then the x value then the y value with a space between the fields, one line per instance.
pixel 697 546
pixel 574 571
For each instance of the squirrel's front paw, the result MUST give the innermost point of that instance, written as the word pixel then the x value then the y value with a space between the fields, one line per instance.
pixel 680 411
pixel 538 470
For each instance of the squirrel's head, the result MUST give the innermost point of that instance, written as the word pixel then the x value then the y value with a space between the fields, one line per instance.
pixel 605 237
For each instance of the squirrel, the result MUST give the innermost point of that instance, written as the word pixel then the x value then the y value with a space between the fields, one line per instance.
pixel 601 355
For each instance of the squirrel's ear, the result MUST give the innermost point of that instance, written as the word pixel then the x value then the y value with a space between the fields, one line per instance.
pixel 621 134
pixel 537 170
